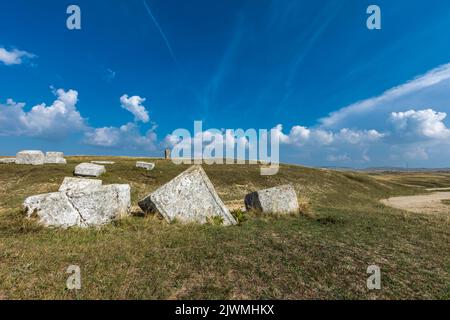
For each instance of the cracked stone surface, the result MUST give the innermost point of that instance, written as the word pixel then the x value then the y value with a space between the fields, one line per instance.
pixel 53 209
pixel 281 199
pixel 189 197
pixel 80 202
pixel 89 170
pixel 31 157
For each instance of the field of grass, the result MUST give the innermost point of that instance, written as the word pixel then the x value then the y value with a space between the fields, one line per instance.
pixel 322 253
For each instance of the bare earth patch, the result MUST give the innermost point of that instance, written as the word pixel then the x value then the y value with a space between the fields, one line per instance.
pixel 429 203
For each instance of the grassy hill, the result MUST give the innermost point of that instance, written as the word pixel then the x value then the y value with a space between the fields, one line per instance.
pixel 322 253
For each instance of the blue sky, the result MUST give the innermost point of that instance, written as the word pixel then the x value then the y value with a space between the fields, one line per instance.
pixel 340 94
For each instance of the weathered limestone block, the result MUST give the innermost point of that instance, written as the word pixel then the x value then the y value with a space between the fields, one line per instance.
pixel 89 170
pixel 80 203
pixel 103 162
pixel 53 209
pixel 145 165
pixel 282 199
pixel 7 160
pixel 190 197
pixel 33 157
pixel 55 158
pixel 99 207
pixel 80 184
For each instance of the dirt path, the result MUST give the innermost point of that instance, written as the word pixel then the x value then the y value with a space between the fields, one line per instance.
pixel 428 203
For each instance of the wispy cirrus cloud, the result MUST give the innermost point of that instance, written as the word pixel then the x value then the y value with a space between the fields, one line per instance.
pixel 14 56
pixel 161 32
pixel 389 97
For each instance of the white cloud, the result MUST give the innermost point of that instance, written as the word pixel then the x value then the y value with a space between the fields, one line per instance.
pixel 134 105
pixel 124 137
pixel 301 136
pixel 421 124
pixel 428 80
pixel 14 56
pixel 127 136
pixel 55 121
pixel 209 140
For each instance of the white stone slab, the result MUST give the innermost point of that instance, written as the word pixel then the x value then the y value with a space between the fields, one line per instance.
pixel 89 170
pixel 31 157
pixel 190 197
pixel 281 199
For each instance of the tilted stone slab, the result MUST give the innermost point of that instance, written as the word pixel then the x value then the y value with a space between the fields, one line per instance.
pixel 55 158
pixel 282 199
pixel 92 206
pixel 190 197
pixel 89 170
pixel 7 160
pixel 31 157
pixel 80 184
pixel 145 165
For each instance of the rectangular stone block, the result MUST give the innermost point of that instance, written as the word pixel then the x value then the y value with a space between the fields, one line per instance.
pixel 282 199
pixel 103 162
pixel 189 197
pixel 53 210
pixel 145 165
pixel 7 160
pixel 55 158
pixel 74 207
pixel 31 157
pixel 89 170
pixel 101 206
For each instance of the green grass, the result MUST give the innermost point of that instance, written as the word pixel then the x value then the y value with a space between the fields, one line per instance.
pixel 323 253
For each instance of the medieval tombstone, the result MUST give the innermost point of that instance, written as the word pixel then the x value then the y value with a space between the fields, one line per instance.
pixel 281 199
pixel 189 197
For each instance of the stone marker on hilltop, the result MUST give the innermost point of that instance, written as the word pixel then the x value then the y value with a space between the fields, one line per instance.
pixel 167 153
pixel 189 197
pixel 89 170
pixel 55 158
pixel 7 160
pixel 32 157
pixel 145 165
pixel 80 202
pixel 282 199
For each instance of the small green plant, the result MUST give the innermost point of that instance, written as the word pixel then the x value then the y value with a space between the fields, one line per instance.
pixel 240 216
pixel 216 220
